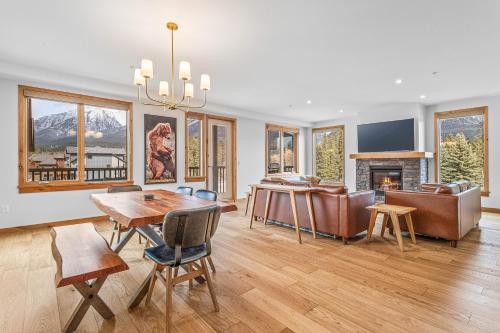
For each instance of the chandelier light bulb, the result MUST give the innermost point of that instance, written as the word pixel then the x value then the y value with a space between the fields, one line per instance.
pixel 184 70
pixel 205 82
pixel 147 68
pixel 189 93
pixel 163 91
pixel 139 80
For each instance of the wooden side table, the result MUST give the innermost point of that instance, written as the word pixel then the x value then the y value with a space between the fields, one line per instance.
pixel 292 191
pixel 393 212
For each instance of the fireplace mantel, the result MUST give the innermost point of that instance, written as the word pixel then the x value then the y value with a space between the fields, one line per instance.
pixel 392 154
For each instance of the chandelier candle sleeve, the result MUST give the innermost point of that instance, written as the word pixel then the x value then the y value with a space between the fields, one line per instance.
pixel 147 68
pixel 184 70
pixel 189 93
pixel 205 82
pixel 139 80
pixel 163 91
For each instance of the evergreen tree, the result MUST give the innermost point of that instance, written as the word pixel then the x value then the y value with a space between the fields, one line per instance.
pixel 459 161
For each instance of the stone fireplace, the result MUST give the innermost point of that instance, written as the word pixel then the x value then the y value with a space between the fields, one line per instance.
pixel 391 170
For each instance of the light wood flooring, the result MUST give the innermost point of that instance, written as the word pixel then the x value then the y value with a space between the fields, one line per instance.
pixel 267 282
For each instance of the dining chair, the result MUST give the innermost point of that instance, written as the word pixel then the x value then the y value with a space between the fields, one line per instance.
pixel 186 190
pixel 187 234
pixel 117 229
pixel 207 195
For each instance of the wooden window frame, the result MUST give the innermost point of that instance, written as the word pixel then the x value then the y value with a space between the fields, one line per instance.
pixel 204 142
pixel 24 186
pixel 282 129
pixel 482 110
pixel 323 129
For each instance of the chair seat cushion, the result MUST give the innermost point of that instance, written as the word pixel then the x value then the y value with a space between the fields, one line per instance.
pixel 165 255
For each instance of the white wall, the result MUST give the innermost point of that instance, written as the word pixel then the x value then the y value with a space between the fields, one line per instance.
pixel 493 103
pixel 383 113
pixel 35 208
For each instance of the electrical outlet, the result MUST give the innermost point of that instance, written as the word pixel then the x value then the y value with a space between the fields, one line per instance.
pixel 5 209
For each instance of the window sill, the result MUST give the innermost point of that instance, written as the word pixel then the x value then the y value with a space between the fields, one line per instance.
pixel 194 179
pixel 64 186
pixel 485 193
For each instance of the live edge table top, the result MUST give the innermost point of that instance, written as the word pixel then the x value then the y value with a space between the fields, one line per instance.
pixel 131 210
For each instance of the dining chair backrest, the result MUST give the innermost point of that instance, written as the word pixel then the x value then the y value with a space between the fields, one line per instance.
pixel 206 194
pixel 186 190
pixel 124 188
pixel 193 227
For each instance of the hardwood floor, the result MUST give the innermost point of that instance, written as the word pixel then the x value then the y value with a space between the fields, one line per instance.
pixel 267 282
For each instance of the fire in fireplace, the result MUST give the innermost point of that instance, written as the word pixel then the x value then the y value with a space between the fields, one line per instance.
pixel 385 178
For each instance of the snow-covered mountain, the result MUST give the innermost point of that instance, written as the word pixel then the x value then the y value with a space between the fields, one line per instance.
pixel 60 129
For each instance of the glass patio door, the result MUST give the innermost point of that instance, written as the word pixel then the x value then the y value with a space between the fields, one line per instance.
pixel 220 159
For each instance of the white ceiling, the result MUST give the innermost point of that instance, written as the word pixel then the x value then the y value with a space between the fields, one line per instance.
pixel 265 55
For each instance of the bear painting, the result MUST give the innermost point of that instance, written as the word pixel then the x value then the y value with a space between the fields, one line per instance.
pixel 160 149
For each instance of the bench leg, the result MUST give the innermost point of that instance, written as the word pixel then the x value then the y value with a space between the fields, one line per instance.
pixel 90 298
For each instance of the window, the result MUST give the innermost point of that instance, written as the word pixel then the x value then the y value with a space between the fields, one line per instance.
pixel 195 148
pixel 461 143
pixel 281 150
pixel 328 153
pixel 69 141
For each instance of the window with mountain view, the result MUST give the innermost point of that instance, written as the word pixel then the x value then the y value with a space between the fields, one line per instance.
pixel 328 153
pixel 281 150
pixel 72 141
pixel 462 146
pixel 194 147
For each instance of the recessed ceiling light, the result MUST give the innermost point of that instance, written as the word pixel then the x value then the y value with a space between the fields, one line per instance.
pixel 423 97
pixel 398 81
pixel 341 110
pixel 309 101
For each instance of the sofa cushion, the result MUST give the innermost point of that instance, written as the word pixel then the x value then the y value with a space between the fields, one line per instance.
pixel 431 188
pixel 448 189
pixel 330 189
pixel 311 179
pixel 463 184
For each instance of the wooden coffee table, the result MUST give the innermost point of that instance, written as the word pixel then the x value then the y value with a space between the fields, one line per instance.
pixel 393 212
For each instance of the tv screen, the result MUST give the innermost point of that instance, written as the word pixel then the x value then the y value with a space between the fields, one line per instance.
pixel 387 136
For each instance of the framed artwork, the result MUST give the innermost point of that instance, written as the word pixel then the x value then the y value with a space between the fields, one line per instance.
pixel 160 140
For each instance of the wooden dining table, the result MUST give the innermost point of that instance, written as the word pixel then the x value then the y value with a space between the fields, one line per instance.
pixel 132 211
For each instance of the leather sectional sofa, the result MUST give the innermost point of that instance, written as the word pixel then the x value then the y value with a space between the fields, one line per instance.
pixel 336 212
pixel 446 211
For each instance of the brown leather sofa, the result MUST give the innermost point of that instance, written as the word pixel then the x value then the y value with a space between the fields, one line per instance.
pixel 446 211
pixel 336 212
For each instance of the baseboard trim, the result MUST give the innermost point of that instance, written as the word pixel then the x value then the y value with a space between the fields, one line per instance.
pixel 56 224
pixel 490 210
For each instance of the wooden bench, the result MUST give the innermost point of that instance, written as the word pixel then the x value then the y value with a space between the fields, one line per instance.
pixel 84 259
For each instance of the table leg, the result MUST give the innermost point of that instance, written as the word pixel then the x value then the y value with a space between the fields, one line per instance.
pixel 384 225
pixel 142 291
pixel 295 215
pixel 268 204
pixel 371 224
pixel 397 230
pixel 310 209
pixel 409 224
pixel 123 240
pixel 254 199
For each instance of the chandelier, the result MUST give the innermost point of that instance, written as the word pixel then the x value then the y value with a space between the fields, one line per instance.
pixel 167 97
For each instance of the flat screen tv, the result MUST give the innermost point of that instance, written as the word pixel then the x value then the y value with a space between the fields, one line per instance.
pixel 387 136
